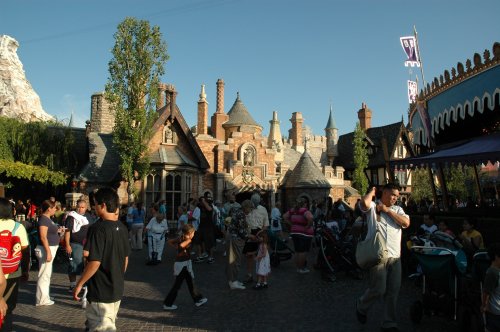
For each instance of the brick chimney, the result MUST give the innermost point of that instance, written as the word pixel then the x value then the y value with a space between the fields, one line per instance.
pixel 202 128
pixel 220 96
pixel 162 98
pixel 219 117
pixel 296 131
pixel 365 117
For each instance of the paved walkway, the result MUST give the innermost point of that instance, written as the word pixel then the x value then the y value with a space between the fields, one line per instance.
pixel 293 302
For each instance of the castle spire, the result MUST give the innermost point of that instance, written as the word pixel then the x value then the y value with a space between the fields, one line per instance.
pixel 274 140
pixel 331 121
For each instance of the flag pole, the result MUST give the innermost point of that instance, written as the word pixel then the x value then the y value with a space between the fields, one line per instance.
pixel 419 56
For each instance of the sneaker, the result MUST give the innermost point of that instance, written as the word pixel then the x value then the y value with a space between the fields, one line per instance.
pixel 211 260
pixel 204 255
pixel 236 285
pixel 258 286
pixel 171 307
pixel 201 302
pixel 303 271
pixel 199 259
pixel 48 303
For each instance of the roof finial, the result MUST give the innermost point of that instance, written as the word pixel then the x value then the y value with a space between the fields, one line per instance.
pixel 237 95
pixel 203 95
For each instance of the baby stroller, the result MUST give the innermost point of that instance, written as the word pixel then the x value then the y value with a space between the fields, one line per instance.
pixel 279 249
pixel 336 253
pixel 442 261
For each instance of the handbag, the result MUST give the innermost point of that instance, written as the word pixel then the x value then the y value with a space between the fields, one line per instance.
pixel 371 251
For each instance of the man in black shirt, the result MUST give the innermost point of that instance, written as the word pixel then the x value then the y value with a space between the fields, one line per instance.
pixel 107 250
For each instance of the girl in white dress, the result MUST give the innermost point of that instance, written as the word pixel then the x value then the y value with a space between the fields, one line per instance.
pixel 263 265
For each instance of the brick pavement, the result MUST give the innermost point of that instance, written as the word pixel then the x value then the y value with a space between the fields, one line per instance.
pixel 293 302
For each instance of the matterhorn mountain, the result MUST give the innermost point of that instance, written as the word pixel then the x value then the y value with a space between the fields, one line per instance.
pixel 17 97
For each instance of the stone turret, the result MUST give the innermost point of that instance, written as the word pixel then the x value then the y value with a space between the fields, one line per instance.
pixel 332 138
pixel 296 132
pixel 365 117
pixel 102 117
pixel 202 128
pixel 274 140
pixel 219 118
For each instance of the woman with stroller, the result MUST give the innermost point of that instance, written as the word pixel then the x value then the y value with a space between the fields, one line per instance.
pixel 302 231
pixel 157 230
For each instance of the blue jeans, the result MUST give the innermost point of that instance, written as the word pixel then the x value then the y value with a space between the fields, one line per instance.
pixel 76 263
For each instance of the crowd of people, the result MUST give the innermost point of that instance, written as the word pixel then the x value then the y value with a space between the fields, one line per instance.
pixel 98 243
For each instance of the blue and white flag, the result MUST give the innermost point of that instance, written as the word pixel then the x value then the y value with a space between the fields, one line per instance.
pixel 412 92
pixel 409 45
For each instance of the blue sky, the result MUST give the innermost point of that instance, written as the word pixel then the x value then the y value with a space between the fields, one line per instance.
pixel 284 55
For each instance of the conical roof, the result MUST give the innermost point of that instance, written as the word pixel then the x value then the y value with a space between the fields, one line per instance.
pixel 331 121
pixel 238 115
pixel 306 174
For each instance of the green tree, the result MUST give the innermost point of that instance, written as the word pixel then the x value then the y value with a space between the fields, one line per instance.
pixel 139 57
pixel 36 151
pixel 360 153
pixel 421 185
pixel 457 180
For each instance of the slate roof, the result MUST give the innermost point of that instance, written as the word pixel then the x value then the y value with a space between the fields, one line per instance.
pixel 306 174
pixel 331 121
pixel 238 115
pixel 374 136
pixel 172 156
pixel 104 161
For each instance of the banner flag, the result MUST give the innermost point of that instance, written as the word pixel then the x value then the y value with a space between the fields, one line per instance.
pixel 426 121
pixel 409 45
pixel 412 92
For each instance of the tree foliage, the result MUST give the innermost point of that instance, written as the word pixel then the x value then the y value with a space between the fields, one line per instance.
pixel 36 151
pixel 421 185
pixel 139 56
pixel 360 153
pixel 460 181
pixel 32 173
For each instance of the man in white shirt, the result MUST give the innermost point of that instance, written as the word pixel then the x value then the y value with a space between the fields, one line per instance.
pixel 385 278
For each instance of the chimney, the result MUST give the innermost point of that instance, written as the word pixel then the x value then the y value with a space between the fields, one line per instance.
pixel 296 131
pixel 162 98
pixel 220 96
pixel 102 117
pixel 202 128
pixel 219 117
pixel 365 117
